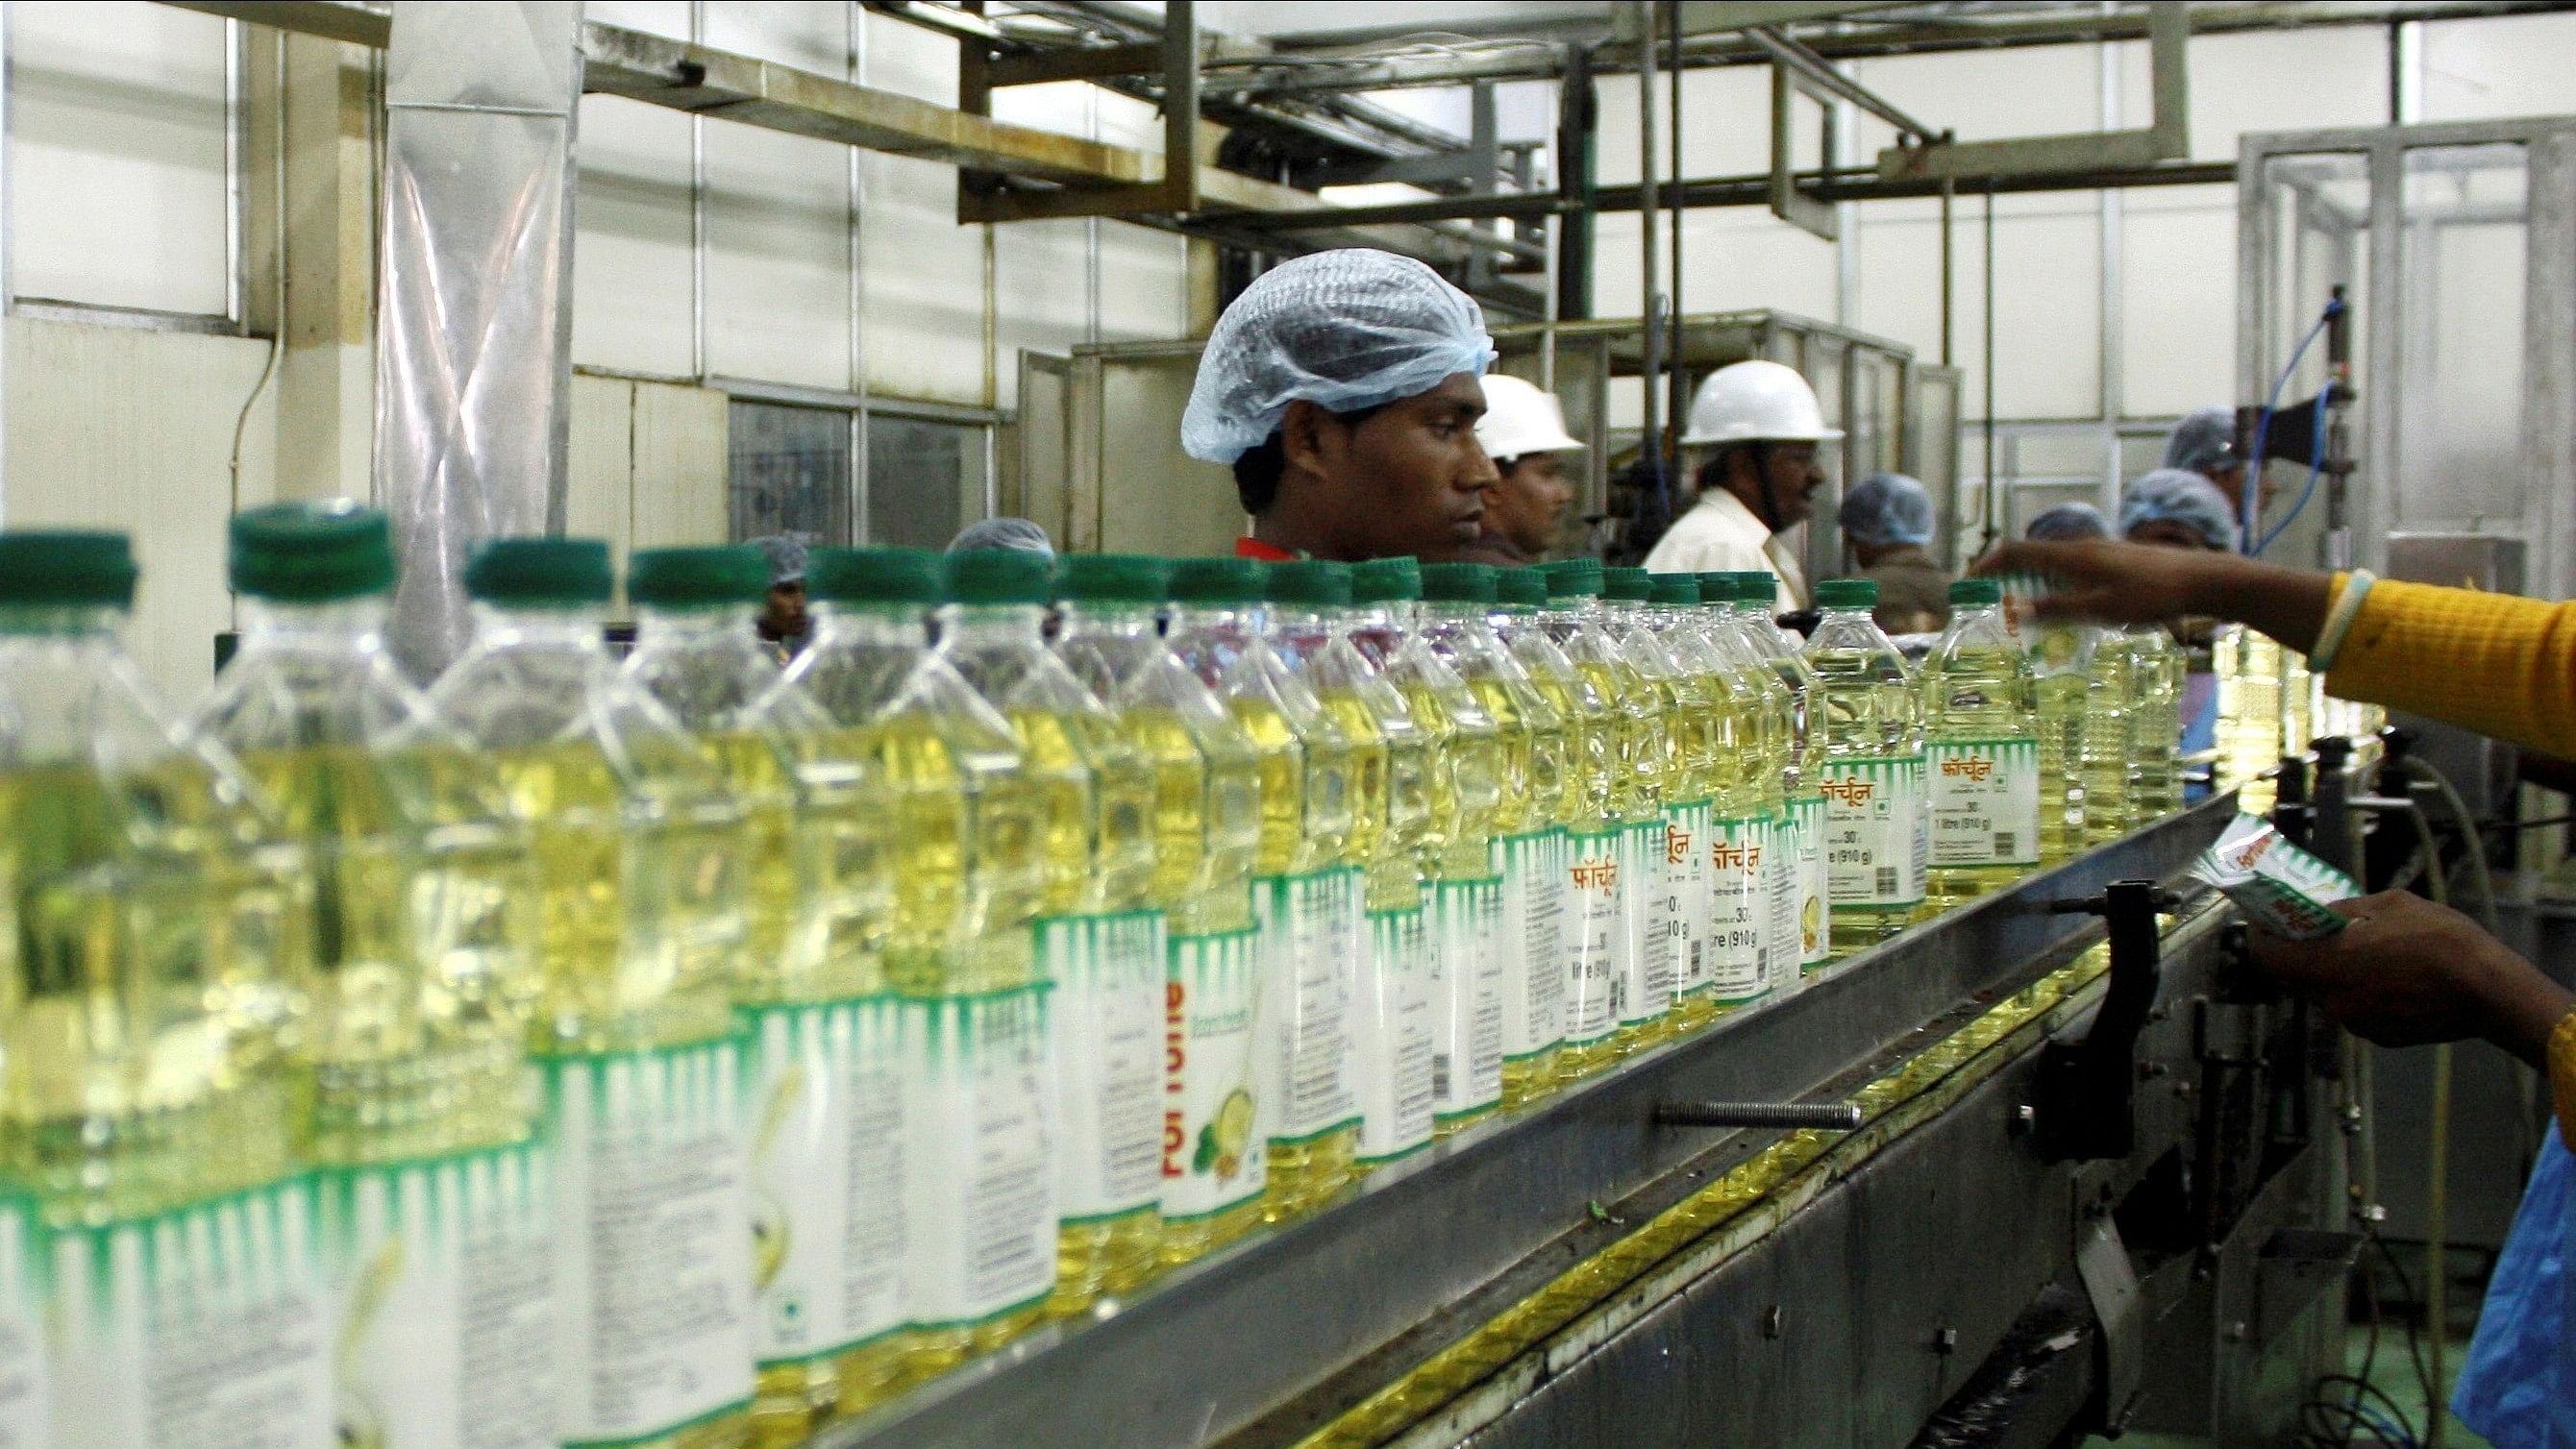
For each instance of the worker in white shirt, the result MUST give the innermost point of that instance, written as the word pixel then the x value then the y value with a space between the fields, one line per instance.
pixel 1762 428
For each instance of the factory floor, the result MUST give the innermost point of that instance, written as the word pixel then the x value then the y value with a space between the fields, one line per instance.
pixel 2392 1372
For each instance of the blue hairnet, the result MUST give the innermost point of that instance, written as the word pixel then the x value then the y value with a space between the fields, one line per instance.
pixel 1887 508
pixel 2185 497
pixel 1344 330
pixel 2203 442
pixel 1016 533
pixel 2066 521
pixel 786 552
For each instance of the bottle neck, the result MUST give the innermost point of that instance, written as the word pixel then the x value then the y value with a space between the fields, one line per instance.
pixel 1212 619
pixel 328 623
pixel 1096 619
pixel 690 628
pixel 874 624
pixel 983 626
pixel 581 625
pixel 92 622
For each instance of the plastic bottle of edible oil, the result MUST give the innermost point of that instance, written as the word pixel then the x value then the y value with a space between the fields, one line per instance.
pixel 1717 752
pixel 1572 656
pixel 2155 785
pixel 1871 768
pixel 2110 734
pixel 972 1138
pixel 153 935
pixel 1393 807
pixel 1803 803
pixel 1981 733
pixel 1658 720
pixel 1525 857
pixel 1463 889
pixel 642 862
pixel 2248 664
pixel 1307 887
pixel 1207 833
pixel 1100 932
pixel 414 1077
pixel 2059 656
pixel 1753 856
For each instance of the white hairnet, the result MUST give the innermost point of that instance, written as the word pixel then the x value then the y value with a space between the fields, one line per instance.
pixel 1344 330
pixel 1887 508
pixel 786 555
pixel 2184 497
pixel 2203 442
pixel 2068 521
pixel 1018 533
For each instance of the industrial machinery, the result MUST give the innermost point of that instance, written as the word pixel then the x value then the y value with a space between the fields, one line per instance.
pixel 1101 467
pixel 2050 1164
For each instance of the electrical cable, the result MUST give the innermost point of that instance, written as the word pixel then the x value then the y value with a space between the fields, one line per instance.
pixel 2247 491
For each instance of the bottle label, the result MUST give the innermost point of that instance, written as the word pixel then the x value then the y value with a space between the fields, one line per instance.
pixel 1646 991
pixel 443 1300
pixel 1984 807
pixel 1807 814
pixel 1686 906
pixel 827 1174
pixel 1391 1036
pixel 1216 1152
pixel 1312 939
pixel 1106 1018
pixel 979 1195
pixel 1783 886
pixel 1741 900
pixel 205 1325
pixel 1596 931
pixel 1874 835
pixel 1532 944
pixel 652 1240
pixel 1471 969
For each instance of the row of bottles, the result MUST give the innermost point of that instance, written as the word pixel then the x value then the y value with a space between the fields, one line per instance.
pixel 683 1050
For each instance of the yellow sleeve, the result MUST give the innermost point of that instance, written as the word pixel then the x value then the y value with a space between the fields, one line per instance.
pixel 2562 1074
pixel 2494 663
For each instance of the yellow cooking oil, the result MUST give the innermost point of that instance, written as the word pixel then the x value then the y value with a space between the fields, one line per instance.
pixel 2061 691
pixel 1981 733
pixel 1868 724
pixel 1457 855
pixel 2110 713
pixel 2155 777
pixel 1663 715
pixel 2248 664
pixel 1528 770
pixel 1805 922
pixel 1753 924
pixel 1573 661
pixel 1711 814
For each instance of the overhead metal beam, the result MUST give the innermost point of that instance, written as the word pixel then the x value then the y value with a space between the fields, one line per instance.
pixel 1718 17
pixel 1812 68
pixel 2168 138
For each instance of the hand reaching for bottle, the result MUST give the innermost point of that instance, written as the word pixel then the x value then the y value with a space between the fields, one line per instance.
pixel 2130 583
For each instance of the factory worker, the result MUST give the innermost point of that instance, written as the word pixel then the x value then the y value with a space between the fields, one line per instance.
pixel 1887 520
pixel 1763 430
pixel 782 622
pixel 2068 521
pixel 1016 533
pixel 2204 442
pixel 1523 431
pixel 1342 388
pixel 2178 509
pixel 2406 972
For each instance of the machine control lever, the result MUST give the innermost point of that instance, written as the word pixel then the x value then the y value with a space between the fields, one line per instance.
pixel 2087 1086
pixel 1830 1116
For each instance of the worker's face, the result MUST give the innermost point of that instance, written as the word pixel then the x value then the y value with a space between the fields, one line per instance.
pixel 784 615
pixel 1789 474
pixel 1526 503
pixel 2168 533
pixel 1408 479
pixel 2231 481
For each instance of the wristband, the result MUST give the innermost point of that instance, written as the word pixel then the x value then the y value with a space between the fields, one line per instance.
pixel 2347 607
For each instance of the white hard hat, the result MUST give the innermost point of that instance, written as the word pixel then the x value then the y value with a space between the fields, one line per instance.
pixel 1520 419
pixel 1756 402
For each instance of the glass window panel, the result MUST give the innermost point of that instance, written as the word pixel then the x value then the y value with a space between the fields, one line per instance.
pixel 789 471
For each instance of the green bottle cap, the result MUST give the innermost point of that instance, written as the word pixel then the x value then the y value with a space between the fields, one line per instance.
pixel 1675 590
pixel 542 572
pixel 1756 586
pixel 1216 581
pixel 1459 583
pixel 312 553
pixel 1574 578
pixel 697 578
pixel 66 568
pixel 1977 592
pixel 1847 594
pixel 1520 586
pixel 1112 578
pixel 873 575
pixel 1634 586
pixel 1309 581
pixel 1386 580
pixel 1000 576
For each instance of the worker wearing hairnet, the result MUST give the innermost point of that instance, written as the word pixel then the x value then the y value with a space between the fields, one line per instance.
pixel 1764 433
pixel 2068 521
pixel 1018 533
pixel 1342 389
pixel 2178 509
pixel 2204 442
pixel 1887 520
pixel 1523 431
pixel 782 623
